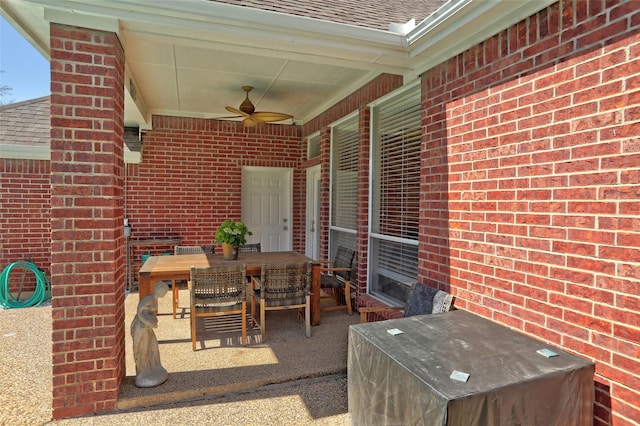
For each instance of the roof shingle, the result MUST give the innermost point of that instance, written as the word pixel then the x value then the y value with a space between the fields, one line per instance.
pixel 26 123
pixel 375 14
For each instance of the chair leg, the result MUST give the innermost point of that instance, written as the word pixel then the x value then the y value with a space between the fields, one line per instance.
pixel 347 299
pixel 193 329
pixel 253 311
pixel 263 324
pixel 244 323
pixel 174 289
pixel 347 296
pixel 307 316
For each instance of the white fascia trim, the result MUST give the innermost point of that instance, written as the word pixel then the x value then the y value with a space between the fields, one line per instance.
pixel 25 152
pixel 232 15
pixel 131 157
pixel 460 24
pixel 9 13
pixel 82 20
pixel 179 13
pixel 436 19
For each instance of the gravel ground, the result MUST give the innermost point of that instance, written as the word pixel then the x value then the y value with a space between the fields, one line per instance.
pixel 320 401
pixel 25 369
pixel 25 380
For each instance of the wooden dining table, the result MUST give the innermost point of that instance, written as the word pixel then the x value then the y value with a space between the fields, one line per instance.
pixel 178 267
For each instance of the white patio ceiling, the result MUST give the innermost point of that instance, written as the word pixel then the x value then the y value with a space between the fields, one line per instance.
pixel 191 57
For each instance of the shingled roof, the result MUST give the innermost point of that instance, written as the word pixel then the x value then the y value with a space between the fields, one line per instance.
pixel 376 14
pixel 26 123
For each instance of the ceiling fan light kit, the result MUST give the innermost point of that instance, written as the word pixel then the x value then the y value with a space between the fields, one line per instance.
pixel 246 106
pixel 253 117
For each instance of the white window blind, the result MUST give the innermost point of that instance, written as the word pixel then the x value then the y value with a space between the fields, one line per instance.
pixel 344 174
pixel 396 194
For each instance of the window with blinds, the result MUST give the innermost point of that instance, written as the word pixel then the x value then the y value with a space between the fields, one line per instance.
pixel 395 201
pixel 344 183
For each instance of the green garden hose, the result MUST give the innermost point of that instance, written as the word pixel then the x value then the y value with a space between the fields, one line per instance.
pixel 41 293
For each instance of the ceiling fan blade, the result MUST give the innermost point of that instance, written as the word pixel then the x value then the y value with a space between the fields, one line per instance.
pixel 270 116
pixel 237 111
pixel 252 118
pixel 250 122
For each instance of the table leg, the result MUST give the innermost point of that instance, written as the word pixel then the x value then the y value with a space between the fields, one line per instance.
pixel 315 294
pixel 144 286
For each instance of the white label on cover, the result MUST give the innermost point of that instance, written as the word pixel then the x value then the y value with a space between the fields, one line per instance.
pixel 459 376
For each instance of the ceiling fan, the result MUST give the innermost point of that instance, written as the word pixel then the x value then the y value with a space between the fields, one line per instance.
pixel 253 117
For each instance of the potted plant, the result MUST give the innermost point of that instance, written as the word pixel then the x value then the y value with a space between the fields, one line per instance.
pixel 231 235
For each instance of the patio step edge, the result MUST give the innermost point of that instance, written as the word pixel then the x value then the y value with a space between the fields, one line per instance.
pixel 212 391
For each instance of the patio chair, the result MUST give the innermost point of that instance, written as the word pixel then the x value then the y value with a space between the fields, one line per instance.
pixel 250 248
pixel 338 276
pixel 217 291
pixel 282 287
pixel 422 300
pixel 186 250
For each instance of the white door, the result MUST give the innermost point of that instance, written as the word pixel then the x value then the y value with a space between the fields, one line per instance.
pixel 313 213
pixel 266 206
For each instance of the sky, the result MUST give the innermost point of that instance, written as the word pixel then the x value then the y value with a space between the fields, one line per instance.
pixel 23 68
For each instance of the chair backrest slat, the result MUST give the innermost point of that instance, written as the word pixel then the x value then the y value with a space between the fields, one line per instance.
pixel 281 280
pixel 344 259
pixel 194 249
pixel 218 285
pixel 250 248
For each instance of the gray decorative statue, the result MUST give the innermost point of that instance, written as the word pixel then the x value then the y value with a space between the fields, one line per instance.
pixel 149 370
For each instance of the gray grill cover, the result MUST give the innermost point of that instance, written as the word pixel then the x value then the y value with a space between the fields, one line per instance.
pixel 405 379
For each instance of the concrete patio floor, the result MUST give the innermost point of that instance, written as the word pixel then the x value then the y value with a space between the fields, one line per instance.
pixel 286 378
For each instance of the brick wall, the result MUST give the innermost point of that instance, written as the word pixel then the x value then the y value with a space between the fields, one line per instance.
pixel 532 137
pixel 376 88
pixel 190 178
pixel 25 216
pixel 87 242
pixel 357 101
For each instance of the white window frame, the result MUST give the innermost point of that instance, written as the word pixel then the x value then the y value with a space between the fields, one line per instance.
pixel 402 281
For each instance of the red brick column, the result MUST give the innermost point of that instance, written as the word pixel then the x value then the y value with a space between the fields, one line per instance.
pixel 325 182
pixel 87 243
pixel 362 236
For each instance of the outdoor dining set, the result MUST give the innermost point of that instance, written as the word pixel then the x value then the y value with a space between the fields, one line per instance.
pixel 265 281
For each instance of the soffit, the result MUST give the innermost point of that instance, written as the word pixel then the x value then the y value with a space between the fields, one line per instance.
pixel 191 57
